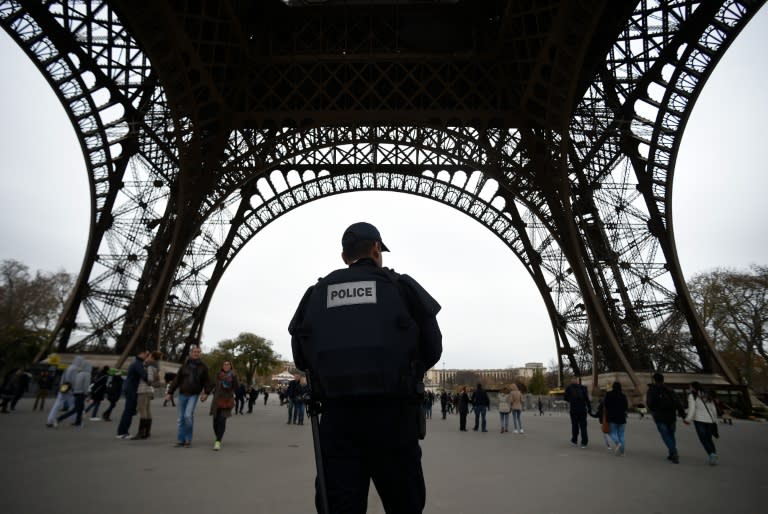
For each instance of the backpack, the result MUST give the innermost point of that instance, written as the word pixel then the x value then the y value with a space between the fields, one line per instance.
pixel 664 400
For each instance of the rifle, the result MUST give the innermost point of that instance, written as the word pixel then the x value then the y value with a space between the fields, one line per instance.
pixel 314 408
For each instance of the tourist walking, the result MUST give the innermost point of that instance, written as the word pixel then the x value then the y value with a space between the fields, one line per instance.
pixel 481 404
pixel 516 401
pixel 193 383
pixel 136 373
pixel 463 406
pixel 504 408
pixel 703 413
pixel 114 391
pixel 44 385
pixel 616 407
pixel 98 392
pixel 79 392
pixel 64 396
pixel 577 397
pixel 665 407
pixel 224 399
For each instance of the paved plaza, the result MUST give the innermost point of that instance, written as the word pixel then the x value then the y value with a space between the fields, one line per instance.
pixel 267 466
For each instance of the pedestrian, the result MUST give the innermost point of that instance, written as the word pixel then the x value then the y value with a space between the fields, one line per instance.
pixel 224 400
pixel 301 399
pixel 290 395
pixel 145 393
pixel 98 392
pixel 114 391
pixel 703 412
pixel 665 407
pixel 463 406
pixel 481 404
pixel 601 415
pixel 240 398
pixel 11 383
pixel 22 386
pixel 266 396
pixel 44 385
pixel 253 395
pixel 193 383
pixel 504 408
pixel 577 397
pixel 64 397
pixel 136 373
pixel 516 401
pixel 541 407
pixel 366 336
pixel 79 392
pixel 616 406
pixel 443 402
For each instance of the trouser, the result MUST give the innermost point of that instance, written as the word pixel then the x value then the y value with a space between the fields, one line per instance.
pixel 704 431
pixel 480 415
pixel 144 405
pixel 95 406
pixel 504 420
pixel 462 420
pixel 353 458
pixel 239 404
pixel 667 432
pixel 298 413
pixel 219 424
pixel 108 412
pixel 517 423
pixel 290 410
pixel 40 397
pixel 129 412
pixel 77 410
pixel 617 434
pixel 579 424
pixel 187 404
pixel 250 405
pixel 62 399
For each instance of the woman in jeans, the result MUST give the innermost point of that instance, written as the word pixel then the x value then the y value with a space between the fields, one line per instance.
pixel 703 413
pixel 504 408
pixel 615 404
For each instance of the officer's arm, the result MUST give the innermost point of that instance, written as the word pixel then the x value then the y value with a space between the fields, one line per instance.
pixel 424 310
pixel 295 329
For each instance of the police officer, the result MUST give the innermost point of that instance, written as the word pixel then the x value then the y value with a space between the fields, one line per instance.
pixel 366 335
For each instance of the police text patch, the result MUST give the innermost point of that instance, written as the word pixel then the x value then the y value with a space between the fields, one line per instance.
pixel 352 293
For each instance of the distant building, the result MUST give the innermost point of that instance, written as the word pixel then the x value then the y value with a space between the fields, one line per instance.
pixel 436 378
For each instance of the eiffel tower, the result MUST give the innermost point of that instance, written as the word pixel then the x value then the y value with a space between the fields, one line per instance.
pixel 203 121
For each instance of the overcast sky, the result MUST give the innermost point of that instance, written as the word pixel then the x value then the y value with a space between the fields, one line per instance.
pixel 492 315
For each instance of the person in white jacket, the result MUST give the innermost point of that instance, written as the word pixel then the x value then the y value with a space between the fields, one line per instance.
pixel 703 413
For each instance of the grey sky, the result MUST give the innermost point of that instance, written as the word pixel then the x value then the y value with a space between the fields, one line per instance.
pixel 492 314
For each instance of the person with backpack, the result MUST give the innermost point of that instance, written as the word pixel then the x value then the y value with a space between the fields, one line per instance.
pixel 577 397
pixel 664 407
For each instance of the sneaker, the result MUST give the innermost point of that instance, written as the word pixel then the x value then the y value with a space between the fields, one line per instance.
pixel 675 459
pixel 187 444
pixel 713 459
pixel 515 431
pixel 608 447
pixel 583 446
pixel 573 443
pixel 179 444
pixel 521 431
pixel 617 450
pixel 95 419
pixel 217 446
pixel 122 436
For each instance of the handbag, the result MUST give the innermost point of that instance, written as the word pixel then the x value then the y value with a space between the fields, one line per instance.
pixel 713 425
pixel 606 428
pixel 226 403
pixel 65 387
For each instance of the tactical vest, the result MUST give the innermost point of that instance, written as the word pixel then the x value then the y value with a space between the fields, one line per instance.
pixel 360 339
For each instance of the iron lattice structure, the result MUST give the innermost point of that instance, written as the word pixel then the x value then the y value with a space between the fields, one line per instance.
pixel 555 124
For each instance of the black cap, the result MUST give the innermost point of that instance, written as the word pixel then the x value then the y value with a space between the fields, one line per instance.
pixel 361 232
